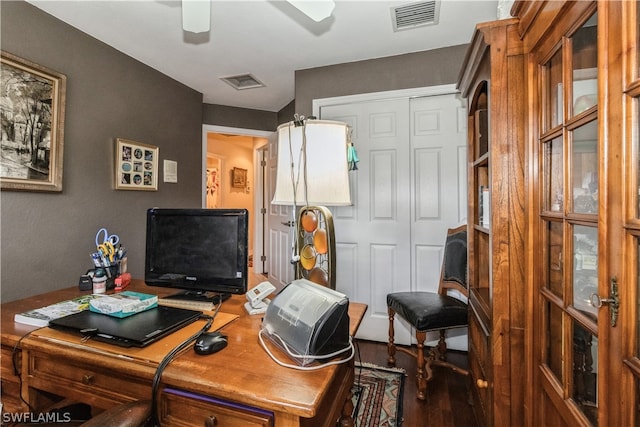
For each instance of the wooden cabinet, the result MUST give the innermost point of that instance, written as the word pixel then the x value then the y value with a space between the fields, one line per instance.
pixel 492 80
pixel 582 197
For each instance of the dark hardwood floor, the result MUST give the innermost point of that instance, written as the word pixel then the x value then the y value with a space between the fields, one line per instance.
pixel 447 403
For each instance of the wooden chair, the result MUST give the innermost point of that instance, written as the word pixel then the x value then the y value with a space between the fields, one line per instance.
pixel 132 414
pixel 431 311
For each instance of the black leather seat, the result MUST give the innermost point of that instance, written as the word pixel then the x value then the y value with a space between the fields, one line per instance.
pixel 431 311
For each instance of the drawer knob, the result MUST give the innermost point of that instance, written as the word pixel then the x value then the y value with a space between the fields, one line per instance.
pixel 212 421
pixel 87 379
pixel 482 383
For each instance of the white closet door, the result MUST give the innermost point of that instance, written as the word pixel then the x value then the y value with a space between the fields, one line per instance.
pixel 408 189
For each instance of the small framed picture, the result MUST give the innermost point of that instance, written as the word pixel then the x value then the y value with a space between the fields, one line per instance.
pixel 136 166
pixel 239 178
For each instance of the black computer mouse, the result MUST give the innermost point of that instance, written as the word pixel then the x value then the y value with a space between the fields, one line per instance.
pixel 210 342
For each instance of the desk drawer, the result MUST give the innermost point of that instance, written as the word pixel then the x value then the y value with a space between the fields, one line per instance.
pixel 85 382
pixel 178 408
pixel 10 382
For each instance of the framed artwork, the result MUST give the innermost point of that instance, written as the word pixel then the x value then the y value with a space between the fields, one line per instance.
pixel 213 187
pixel 136 166
pixel 239 178
pixel 32 125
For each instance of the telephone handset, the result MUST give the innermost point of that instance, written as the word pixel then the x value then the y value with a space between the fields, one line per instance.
pixel 256 298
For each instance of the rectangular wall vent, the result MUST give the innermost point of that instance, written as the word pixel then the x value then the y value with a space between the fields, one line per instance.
pixel 242 81
pixel 414 15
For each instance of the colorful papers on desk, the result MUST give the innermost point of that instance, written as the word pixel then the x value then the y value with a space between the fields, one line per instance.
pixel 42 316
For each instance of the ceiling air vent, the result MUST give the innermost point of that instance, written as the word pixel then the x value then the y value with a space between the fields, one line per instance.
pixel 242 81
pixel 414 15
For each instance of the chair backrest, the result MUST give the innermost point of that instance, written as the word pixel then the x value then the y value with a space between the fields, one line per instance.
pixel 454 265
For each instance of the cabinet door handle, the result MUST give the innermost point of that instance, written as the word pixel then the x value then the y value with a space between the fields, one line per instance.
pixel 211 421
pixel 482 383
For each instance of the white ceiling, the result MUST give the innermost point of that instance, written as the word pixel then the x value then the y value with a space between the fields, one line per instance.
pixel 269 39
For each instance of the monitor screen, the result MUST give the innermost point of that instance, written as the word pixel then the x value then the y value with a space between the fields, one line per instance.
pixel 201 250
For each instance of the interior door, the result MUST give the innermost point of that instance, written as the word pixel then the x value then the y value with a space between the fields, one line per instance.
pixel 409 188
pixel 280 226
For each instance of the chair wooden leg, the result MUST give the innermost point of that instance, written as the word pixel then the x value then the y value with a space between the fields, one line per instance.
pixel 391 346
pixel 442 346
pixel 421 376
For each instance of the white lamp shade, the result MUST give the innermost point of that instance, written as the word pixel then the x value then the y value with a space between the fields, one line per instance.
pixel 327 171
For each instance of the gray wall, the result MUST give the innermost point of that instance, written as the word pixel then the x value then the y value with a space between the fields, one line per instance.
pixel 246 118
pixel 243 118
pixel 421 69
pixel 47 237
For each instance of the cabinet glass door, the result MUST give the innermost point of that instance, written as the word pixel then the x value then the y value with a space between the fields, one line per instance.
pixel 568 153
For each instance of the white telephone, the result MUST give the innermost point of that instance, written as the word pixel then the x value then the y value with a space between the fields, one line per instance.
pixel 257 302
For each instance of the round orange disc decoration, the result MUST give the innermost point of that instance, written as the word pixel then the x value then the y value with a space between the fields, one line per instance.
pixel 319 276
pixel 308 257
pixel 320 241
pixel 309 221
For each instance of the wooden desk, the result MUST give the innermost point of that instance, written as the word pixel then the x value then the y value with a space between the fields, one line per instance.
pixel 239 385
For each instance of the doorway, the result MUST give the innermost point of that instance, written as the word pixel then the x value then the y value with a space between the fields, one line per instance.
pixel 229 153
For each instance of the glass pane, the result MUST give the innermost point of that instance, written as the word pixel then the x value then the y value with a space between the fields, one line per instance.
pixel 553 87
pixel 585 61
pixel 636 147
pixel 637 423
pixel 638 36
pixel 554 258
pixel 482 282
pixel 585 268
pixel 554 340
pixel 585 372
pixel 554 196
pixel 638 302
pixel 584 168
pixel 484 196
pixel 481 120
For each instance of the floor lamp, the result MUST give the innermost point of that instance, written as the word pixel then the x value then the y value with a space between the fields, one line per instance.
pixel 313 172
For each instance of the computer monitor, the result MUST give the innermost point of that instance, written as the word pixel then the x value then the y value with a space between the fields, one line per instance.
pixel 201 251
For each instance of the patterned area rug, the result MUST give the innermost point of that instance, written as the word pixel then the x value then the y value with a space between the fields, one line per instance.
pixel 377 396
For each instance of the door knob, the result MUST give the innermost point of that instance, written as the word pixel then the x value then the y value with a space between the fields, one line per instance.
pixel 613 301
pixel 288 223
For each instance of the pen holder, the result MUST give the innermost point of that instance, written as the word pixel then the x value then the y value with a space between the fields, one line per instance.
pixel 113 271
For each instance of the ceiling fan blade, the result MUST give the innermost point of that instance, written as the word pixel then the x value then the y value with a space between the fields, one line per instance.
pixel 196 15
pixel 314 9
